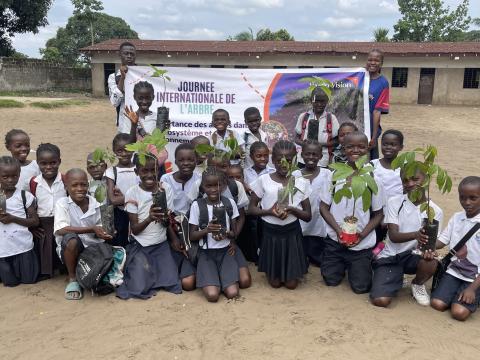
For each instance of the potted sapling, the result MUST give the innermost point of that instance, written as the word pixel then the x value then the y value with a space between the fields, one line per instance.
pixel 157 140
pixel 358 183
pixel 409 166
pixel 163 121
pixel 106 208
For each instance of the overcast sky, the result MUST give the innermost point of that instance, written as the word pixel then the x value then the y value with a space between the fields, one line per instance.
pixel 308 20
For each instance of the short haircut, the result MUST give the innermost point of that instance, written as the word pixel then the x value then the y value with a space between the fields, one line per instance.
pixel 143 85
pixel 47 147
pixel 221 110
pixel 378 51
pixel 251 111
pixel 394 132
pixel 283 145
pixel 348 124
pixel 356 134
pixel 312 142
pixel 200 139
pixel 184 146
pixel 125 44
pixel 470 180
pixel 257 145
pixel 121 137
pixel 75 171
pixel 236 166
pixel 9 161
pixel 14 132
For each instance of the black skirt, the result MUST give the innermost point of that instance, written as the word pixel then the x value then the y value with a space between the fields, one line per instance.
pixel 281 255
pixel 19 269
pixel 45 247
pixel 216 268
pixel 148 269
pixel 248 239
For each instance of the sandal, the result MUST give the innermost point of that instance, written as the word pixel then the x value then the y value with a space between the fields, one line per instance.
pixel 73 287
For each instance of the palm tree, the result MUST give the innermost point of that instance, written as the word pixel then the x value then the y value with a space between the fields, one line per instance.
pixel 381 35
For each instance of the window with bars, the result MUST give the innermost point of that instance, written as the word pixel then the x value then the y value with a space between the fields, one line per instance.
pixel 400 77
pixel 471 78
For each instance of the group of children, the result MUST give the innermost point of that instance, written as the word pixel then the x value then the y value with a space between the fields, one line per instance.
pixel 235 214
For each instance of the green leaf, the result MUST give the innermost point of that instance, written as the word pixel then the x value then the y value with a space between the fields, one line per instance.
pixel 342 175
pixel 203 149
pixel 448 185
pixel 100 193
pixel 340 167
pixel 358 186
pixel 431 214
pixel 360 162
pixel 372 184
pixel 423 207
pixel 441 177
pixel 341 193
pixel 168 78
pixel 410 156
pixel 366 200
pixel 399 161
pixel 142 158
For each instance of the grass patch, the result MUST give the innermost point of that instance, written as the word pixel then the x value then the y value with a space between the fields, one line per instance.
pixel 8 103
pixel 42 93
pixel 59 103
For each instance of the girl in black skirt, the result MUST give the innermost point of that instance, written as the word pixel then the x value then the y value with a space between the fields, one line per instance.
pixel 213 223
pixel 281 256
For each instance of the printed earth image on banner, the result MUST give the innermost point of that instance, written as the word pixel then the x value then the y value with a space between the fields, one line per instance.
pixel 281 95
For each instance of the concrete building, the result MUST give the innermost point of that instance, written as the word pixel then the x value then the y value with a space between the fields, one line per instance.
pixel 424 73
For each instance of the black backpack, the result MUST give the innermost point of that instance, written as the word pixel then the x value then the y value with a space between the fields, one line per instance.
pixel 93 264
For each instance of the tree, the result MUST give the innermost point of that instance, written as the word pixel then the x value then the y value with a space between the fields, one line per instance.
pixel 20 16
pixel 473 35
pixel 87 9
pixel 262 35
pixel 65 46
pixel 430 20
pixel 381 35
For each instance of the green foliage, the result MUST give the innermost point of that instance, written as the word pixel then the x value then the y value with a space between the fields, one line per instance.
pixel 262 35
pixel 51 54
pixel 430 20
pixel 231 144
pixel 290 189
pixel 157 140
pixel 8 103
pixel 100 192
pixel 76 35
pixel 86 7
pixel 318 81
pixel 159 73
pixel 409 166
pixel 381 35
pixel 58 103
pixel 20 17
pixel 102 156
pixel 358 182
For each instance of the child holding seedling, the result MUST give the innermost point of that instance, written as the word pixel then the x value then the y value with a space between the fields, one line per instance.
pixel 459 288
pixel 96 169
pixel 221 122
pixel 404 220
pixel 150 265
pixel 18 261
pixel 18 143
pixel 253 133
pixel 314 231
pixel 181 183
pixel 345 251
pixel 48 188
pixel 344 129
pixel 201 157
pixel 77 225
pixel 283 201
pixel 259 155
pixel 319 125
pixel 213 224
pixel 120 178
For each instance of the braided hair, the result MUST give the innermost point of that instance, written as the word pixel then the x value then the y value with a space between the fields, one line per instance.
pixel 283 145
pixel 257 145
pixel 213 171
pixel 48 148
pixel 143 85
pixel 9 161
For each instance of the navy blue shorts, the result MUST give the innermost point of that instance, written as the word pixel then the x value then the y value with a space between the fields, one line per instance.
pixel 65 239
pixel 449 290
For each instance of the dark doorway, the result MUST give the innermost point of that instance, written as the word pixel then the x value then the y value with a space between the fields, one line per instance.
pixel 107 70
pixel 425 85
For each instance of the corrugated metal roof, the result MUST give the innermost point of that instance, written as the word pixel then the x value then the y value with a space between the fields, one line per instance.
pixel 298 47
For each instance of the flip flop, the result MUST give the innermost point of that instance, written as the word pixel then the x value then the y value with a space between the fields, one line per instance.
pixel 71 288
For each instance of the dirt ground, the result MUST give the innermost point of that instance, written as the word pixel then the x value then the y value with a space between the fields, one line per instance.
pixel 309 323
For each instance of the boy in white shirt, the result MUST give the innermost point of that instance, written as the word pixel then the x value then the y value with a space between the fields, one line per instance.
pixel 356 258
pixel 253 132
pixel 459 287
pixel 404 220
pixel 77 225
pixel 221 122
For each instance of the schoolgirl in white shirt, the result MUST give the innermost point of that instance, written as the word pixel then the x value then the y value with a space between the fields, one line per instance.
pixel 253 133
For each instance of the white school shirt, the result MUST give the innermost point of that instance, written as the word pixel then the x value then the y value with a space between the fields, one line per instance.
pixel 221 145
pixel 267 190
pixel 27 172
pixel 149 122
pixel 345 208
pixel 242 198
pixel 16 239
pixel 117 98
pixel 250 175
pixel 48 196
pixel 68 213
pixel 409 219
pixel 322 133
pixel 316 226
pixel 126 178
pixel 181 200
pixel 139 202
pixel 195 219
pixel 248 140
pixel 390 179
pixel 467 258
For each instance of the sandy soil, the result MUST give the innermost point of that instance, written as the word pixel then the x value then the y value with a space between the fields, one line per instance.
pixel 309 323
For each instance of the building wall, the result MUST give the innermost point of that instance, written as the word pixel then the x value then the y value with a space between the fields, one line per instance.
pixel 448 88
pixel 28 74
